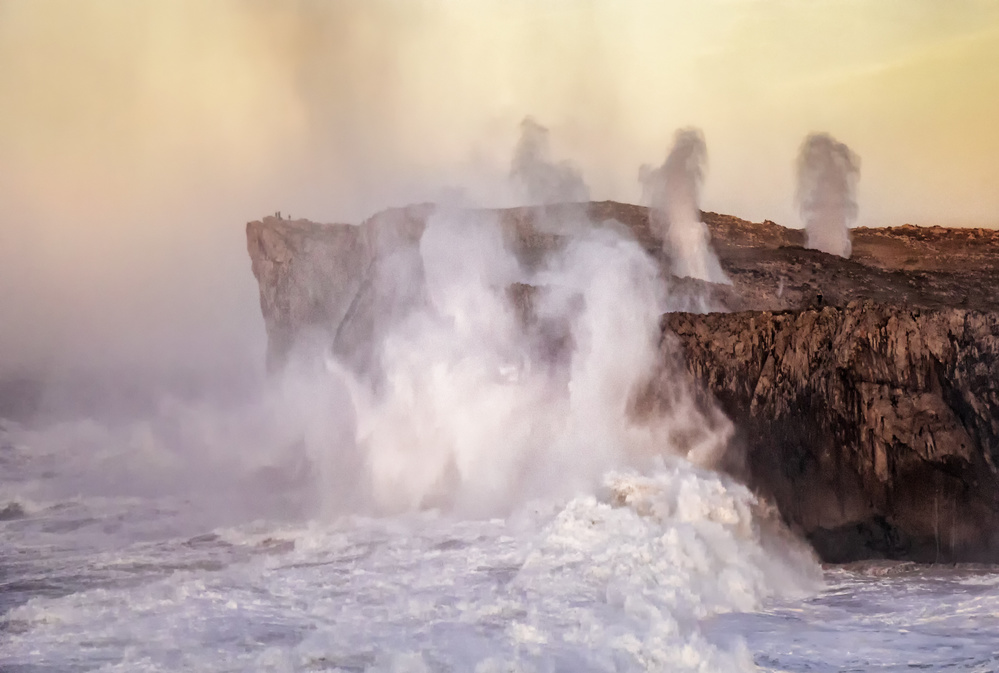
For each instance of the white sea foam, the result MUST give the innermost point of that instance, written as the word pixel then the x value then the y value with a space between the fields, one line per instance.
pixel 666 569
pixel 616 582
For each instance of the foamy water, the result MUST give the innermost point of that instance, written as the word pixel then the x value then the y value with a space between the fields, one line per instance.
pixel 663 572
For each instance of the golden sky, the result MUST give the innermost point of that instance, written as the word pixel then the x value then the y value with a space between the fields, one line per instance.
pixel 138 137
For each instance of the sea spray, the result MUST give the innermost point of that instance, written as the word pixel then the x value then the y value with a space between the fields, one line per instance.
pixel 620 579
pixel 480 403
pixel 489 494
pixel 540 178
pixel 673 194
pixel 826 197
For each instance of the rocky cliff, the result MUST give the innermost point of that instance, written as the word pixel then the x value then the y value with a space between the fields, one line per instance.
pixel 874 428
pixel 863 390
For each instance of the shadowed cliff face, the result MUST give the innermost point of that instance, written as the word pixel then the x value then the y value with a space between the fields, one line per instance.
pixel 863 390
pixel 875 429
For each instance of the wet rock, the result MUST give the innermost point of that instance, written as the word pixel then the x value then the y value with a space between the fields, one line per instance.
pixel 863 390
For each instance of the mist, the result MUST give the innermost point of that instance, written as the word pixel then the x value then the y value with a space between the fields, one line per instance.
pixel 136 141
pixel 481 402
pixel 828 172
pixel 540 179
pixel 519 465
pixel 673 194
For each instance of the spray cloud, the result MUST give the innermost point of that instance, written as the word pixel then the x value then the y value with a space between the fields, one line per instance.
pixel 541 179
pixel 501 377
pixel 827 181
pixel 480 398
pixel 673 193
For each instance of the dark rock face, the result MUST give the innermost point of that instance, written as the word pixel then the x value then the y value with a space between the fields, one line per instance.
pixel 863 390
pixel 874 429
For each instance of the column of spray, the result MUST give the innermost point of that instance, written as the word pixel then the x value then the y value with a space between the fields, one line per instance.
pixel 826 197
pixel 483 406
pixel 672 192
pixel 540 179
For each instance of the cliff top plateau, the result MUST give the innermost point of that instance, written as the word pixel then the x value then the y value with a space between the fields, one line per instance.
pixel 770 269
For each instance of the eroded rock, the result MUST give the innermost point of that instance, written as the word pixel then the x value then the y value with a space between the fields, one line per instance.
pixel 873 428
pixel 863 390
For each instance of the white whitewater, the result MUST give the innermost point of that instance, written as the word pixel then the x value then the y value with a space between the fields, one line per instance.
pixel 656 573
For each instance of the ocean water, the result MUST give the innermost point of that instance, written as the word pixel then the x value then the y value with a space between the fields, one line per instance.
pixel 104 568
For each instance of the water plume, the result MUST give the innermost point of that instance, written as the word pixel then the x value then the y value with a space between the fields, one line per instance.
pixel 488 398
pixel 541 179
pixel 673 193
pixel 826 198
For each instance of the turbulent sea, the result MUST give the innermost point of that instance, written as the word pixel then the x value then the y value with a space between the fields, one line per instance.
pixel 104 568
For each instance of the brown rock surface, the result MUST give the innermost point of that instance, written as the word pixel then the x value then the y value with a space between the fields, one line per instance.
pixel 312 277
pixel 874 429
pixel 863 390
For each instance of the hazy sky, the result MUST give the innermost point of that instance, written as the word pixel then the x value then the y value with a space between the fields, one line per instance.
pixel 136 138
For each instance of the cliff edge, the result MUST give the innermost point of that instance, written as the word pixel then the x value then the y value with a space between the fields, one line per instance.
pixel 863 390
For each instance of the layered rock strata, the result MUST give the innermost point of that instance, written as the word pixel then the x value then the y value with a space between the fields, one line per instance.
pixel 863 390
pixel 874 429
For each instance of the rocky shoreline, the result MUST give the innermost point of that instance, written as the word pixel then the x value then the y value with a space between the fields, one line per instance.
pixel 863 390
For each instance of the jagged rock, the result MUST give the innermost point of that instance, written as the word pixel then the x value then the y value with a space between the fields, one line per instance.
pixel 874 429
pixel 314 278
pixel 863 390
